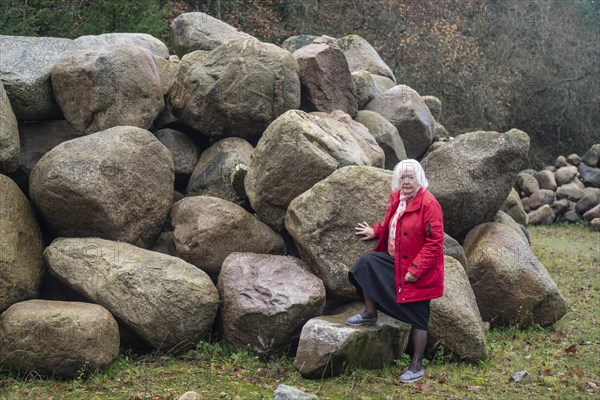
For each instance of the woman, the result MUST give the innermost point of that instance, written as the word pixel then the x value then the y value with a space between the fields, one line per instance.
pixel 406 270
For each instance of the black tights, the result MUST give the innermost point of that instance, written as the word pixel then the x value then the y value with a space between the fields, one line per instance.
pixel 419 336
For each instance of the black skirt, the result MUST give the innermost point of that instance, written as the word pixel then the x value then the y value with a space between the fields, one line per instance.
pixel 374 274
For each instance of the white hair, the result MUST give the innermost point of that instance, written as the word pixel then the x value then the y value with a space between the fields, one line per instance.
pixel 412 166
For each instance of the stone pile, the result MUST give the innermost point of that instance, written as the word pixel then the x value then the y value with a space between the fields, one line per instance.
pixel 149 201
pixel 567 191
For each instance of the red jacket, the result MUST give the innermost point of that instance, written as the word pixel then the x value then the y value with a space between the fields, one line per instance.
pixel 419 247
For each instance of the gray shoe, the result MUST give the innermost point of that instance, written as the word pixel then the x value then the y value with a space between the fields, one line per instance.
pixel 409 376
pixel 357 319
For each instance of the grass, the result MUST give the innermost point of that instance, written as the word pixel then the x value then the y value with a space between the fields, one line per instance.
pixel 563 361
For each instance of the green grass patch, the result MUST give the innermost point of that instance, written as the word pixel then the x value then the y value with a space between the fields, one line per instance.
pixel 563 361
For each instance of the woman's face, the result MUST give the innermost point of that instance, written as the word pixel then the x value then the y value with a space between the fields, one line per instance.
pixel 408 183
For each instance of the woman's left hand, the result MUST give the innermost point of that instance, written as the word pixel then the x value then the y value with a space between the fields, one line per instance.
pixel 410 277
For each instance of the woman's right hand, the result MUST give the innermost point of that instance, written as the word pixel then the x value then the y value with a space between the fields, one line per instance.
pixel 364 229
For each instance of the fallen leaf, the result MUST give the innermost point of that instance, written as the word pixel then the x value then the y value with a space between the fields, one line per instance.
pixel 578 372
pixel 442 379
pixel 547 372
pixel 572 349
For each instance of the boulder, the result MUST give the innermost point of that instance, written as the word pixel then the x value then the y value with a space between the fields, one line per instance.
pixel 293 43
pixel 435 106
pixel 385 134
pixel 9 135
pixel 329 347
pixel 21 247
pixel 546 180
pixel 165 244
pixel 590 176
pixel 511 286
pixel 455 322
pixel 37 138
pixel 184 151
pixel 527 183
pixel 266 300
pixel 105 87
pixel 57 338
pixel 322 220
pixel 238 89
pixel 168 303
pixel 315 145
pixel 369 86
pixel 325 79
pixel 560 162
pixel 560 207
pixel 541 216
pixel 472 176
pixel 514 207
pixel 570 191
pixel 208 229
pixel 405 109
pixel 25 67
pixel 453 249
pixel 540 198
pixel 565 175
pixel 122 193
pixel 199 31
pixel 592 213
pixel 595 225
pixel 573 159
pixel 591 157
pixel 503 218
pixel 362 56
pixel 167 72
pixel 221 170
pixel 108 40
pixel 440 133
pixel 588 201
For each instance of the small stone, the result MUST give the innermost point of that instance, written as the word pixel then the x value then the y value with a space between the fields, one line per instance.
pixel 595 225
pixel 285 392
pixel 519 376
pixel 190 396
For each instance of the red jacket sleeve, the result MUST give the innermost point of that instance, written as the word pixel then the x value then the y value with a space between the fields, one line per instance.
pixel 433 248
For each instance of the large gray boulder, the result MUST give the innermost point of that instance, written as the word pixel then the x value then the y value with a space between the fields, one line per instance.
pixel 105 87
pixel 9 135
pixel 369 86
pixel 321 221
pixel 385 134
pixel 238 89
pixel 37 138
pixel 590 176
pixel 511 286
pixel 325 79
pixel 546 180
pixel 514 207
pixel 453 249
pixel 221 170
pixel 565 174
pixel 208 229
pixel 455 321
pixel 472 176
pixel 541 216
pixel 184 151
pixel 266 300
pixel 57 338
pixel 143 40
pixel 503 218
pixel 297 151
pixel 116 184
pixel 168 303
pixel 329 347
pixel 199 31
pixel 404 108
pixel 25 67
pixel 540 198
pixel 435 106
pixel 21 247
pixel 362 56
pixel 293 43
pixel 527 183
